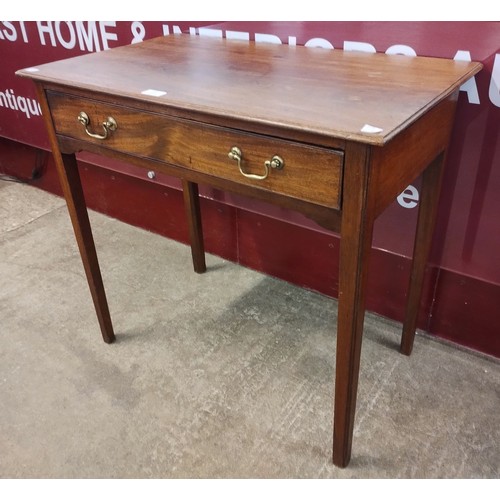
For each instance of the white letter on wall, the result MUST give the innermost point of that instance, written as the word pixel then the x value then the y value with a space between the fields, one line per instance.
pixel 359 46
pixel 470 85
pixel 494 91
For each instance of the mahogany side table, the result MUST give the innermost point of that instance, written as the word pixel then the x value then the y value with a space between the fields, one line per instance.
pixel 335 135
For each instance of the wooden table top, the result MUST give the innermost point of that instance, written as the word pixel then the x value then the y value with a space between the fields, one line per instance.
pixel 348 95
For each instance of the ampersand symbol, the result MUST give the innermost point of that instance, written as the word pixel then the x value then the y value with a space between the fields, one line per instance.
pixel 138 31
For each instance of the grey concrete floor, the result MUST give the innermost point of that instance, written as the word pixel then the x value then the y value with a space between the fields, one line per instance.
pixel 223 375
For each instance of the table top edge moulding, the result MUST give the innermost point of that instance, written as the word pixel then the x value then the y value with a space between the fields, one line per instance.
pixel 336 135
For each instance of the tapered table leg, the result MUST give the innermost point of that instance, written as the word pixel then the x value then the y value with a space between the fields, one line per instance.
pixel 355 244
pixel 431 186
pixel 72 187
pixel 192 207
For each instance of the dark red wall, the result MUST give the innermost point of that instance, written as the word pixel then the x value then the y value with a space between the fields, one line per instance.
pixel 462 292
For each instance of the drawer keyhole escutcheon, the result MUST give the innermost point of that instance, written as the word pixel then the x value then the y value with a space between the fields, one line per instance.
pixel 109 125
pixel 276 162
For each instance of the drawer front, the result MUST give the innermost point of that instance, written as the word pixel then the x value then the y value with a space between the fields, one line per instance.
pixel 308 173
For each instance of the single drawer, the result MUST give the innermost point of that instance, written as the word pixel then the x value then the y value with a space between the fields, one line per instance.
pixel 297 170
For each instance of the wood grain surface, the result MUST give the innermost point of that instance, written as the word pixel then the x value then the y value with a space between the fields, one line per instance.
pixel 331 92
pixel 309 173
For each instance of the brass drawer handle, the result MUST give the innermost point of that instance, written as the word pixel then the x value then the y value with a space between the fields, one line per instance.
pixel 109 125
pixel 276 162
